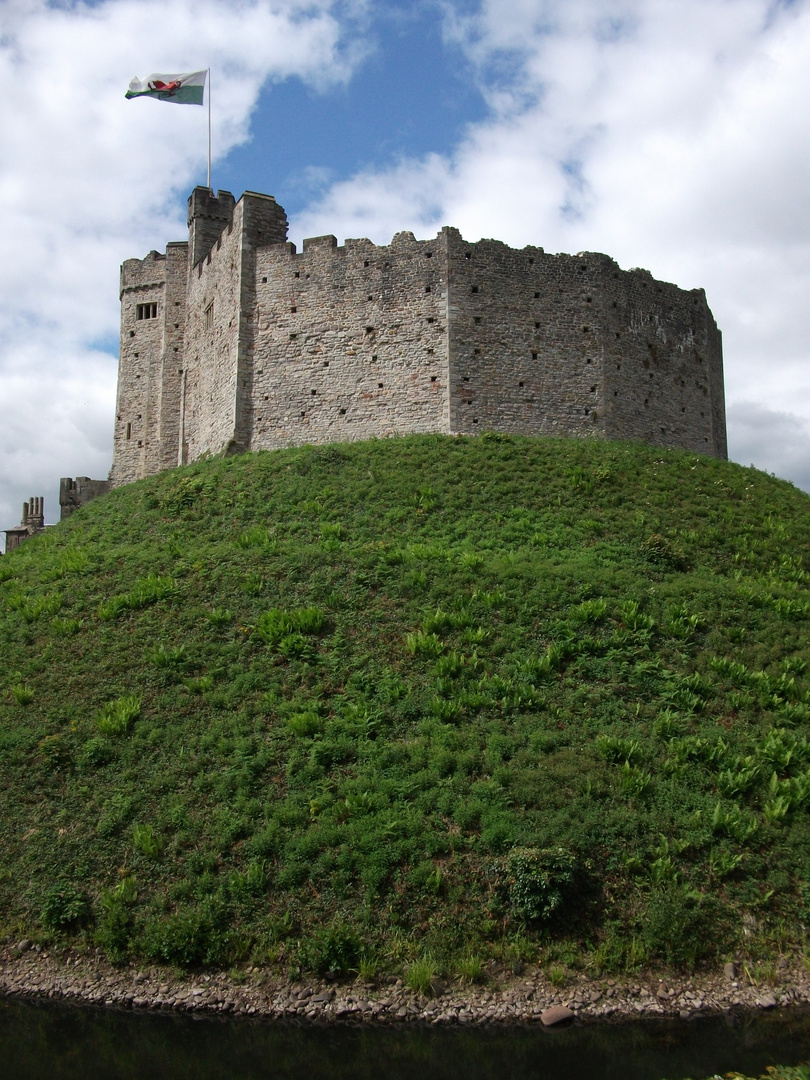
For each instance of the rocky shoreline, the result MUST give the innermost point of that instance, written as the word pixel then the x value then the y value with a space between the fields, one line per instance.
pixel 28 971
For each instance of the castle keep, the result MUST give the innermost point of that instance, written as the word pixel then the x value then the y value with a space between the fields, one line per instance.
pixel 235 341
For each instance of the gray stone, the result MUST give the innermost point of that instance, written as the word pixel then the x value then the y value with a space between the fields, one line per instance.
pixel 766 1001
pixel 730 971
pixel 23 946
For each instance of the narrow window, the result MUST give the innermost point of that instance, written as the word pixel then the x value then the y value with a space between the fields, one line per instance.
pixel 146 311
pixel 209 316
pixel 428 288
pixel 292 310
pixel 428 254
pixel 264 281
pixel 433 378
pixel 537 296
pixel 129 431
pixel 474 289
pixel 297 274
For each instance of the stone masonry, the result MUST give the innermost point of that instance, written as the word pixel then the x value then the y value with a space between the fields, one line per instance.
pixel 236 341
pixel 31 523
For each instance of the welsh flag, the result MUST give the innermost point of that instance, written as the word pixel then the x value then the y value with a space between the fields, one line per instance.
pixel 185 89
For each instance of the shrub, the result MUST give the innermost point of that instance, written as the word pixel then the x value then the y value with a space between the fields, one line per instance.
pixel 333 950
pixel 23 695
pixel 295 647
pixel 187 937
pixel 166 658
pixel 115 924
pixel 97 751
pixel 114 931
pixel 442 622
pixel 538 880
pixel 471 969
pixel 147 841
pixel 146 591
pixel 117 716
pixel 183 494
pixel 220 617
pixel 274 625
pixel 671 926
pixel 422 644
pixel 421 974
pixel 258 536
pixel 617 750
pixel 557 975
pixel 305 724
pixel 199 684
pixel 64 908
pixel 662 552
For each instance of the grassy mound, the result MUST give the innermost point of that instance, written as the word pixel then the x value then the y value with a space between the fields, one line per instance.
pixel 415 704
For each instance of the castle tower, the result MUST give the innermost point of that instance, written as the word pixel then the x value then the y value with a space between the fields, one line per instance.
pixel 208 215
pixel 234 341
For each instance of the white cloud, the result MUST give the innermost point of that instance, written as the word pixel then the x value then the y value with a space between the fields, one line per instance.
pixel 667 133
pixel 88 178
pixel 778 442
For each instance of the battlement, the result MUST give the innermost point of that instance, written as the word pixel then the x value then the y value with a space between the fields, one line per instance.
pixel 234 340
pixel 79 492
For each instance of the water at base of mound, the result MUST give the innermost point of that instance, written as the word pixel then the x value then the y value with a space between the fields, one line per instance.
pixel 46 1041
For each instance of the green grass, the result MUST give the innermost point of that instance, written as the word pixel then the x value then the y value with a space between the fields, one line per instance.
pixel 312 711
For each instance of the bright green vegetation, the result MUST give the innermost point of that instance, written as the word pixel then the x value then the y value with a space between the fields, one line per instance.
pixel 414 705
pixel 774 1072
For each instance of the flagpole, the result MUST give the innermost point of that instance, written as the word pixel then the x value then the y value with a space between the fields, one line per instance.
pixel 209 128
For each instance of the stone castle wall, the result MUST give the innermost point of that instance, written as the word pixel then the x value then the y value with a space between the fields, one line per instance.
pixel 348 342
pixel 253 345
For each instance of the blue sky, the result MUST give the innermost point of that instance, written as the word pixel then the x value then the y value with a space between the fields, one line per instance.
pixel 412 94
pixel 671 134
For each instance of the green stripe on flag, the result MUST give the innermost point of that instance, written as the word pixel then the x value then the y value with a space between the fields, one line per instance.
pixel 187 89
